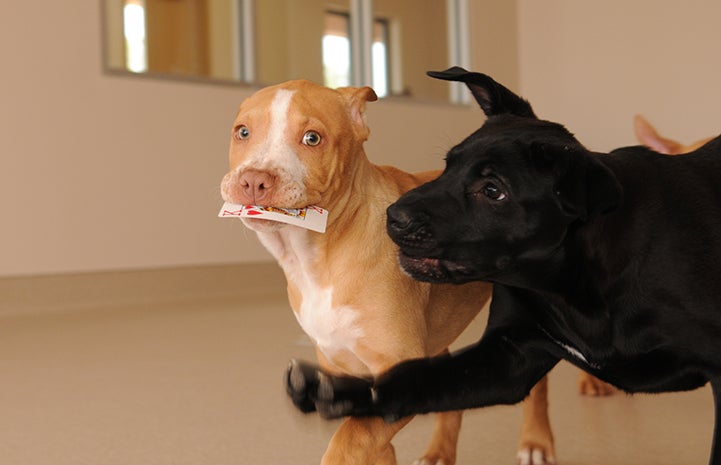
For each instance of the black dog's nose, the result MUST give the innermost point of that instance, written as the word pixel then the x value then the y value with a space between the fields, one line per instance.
pixel 398 219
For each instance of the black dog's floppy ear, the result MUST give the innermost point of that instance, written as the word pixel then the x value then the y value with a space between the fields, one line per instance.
pixel 603 191
pixel 586 187
pixel 493 98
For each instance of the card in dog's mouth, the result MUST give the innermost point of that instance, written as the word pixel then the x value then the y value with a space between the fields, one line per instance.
pixel 311 217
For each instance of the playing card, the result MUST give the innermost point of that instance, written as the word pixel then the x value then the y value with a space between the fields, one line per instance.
pixel 312 217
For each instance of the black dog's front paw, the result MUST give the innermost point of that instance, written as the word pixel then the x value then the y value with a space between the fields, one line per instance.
pixel 301 384
pixel 344 396
pixel 332 396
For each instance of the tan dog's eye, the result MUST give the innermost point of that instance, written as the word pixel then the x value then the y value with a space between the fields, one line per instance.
pixel 242 132
pixel 311 138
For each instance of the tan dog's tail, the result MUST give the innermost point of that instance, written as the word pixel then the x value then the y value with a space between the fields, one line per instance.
pixel 648 136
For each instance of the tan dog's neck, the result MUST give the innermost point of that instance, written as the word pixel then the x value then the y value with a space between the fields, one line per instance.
pixel 354 217
pixel 349 196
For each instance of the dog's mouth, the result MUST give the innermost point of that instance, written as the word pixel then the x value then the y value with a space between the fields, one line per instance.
pixel 269 219
pixel 434 270
pixel 263 225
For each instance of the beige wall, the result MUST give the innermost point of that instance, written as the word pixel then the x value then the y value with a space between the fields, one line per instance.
pixel 594 64
pixel 494 40
pixel 103 172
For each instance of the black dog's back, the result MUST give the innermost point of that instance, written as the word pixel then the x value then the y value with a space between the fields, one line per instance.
pixel 679 194
pixel 669 226
pixel 706 159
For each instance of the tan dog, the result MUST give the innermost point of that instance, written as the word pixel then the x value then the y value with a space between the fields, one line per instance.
pixel 299 144
pixel 647 135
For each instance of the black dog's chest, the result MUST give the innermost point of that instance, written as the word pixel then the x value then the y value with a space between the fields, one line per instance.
pixel 582 357
pixel 584 339
pixel 659 370
pixel 645 361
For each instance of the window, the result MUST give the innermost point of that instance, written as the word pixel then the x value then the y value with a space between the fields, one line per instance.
pixel 337 70
pixel 136 56
pixel 379 57
pixel 387 44
pixel 336 50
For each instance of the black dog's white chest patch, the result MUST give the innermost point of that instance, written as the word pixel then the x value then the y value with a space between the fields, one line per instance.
pixel 577 354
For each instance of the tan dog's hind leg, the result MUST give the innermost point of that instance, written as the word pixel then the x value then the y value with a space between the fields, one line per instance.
pixel 444 441
pixel 442 448
pixel 589 385
pixel 536 443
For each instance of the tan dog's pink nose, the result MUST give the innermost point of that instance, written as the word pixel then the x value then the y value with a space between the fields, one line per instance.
pixel 255 186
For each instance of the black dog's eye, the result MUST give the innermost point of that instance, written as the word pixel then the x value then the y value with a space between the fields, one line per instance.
pixel 492 191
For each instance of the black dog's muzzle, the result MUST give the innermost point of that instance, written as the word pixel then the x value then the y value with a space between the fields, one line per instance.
pixel 409 231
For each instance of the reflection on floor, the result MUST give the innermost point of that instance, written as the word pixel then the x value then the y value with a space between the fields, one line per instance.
pixel 199 383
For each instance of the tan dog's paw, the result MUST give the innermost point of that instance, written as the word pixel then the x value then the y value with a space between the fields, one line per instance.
pixel 589 385
pixel 532 454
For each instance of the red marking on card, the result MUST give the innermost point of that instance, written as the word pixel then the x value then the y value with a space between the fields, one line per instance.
pixel 253 212
pixel 232 212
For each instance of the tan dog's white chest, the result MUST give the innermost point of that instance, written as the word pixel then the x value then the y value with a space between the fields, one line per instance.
pixel 332 328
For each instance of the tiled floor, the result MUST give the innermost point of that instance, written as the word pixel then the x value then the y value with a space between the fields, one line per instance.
pixel 200 384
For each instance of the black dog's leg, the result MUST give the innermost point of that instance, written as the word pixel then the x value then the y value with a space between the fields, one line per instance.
pixel 716 446
pixel 500 369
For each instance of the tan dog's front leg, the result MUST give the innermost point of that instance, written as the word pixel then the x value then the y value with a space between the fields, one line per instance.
pixel 536 443
pixel 363 441
pixel 442 448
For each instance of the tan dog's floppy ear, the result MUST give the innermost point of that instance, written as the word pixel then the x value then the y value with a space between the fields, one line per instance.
pixel 357 98
pixel 647 135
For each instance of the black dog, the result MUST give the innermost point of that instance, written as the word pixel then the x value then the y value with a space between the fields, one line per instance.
pixel 610 261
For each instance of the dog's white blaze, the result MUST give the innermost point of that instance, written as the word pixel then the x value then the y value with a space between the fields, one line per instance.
pixel 277 153
pixel 278 150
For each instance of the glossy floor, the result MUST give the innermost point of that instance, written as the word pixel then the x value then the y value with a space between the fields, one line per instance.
pixel 199 383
